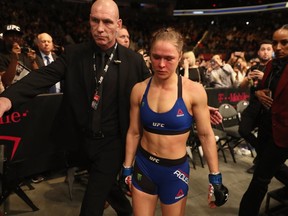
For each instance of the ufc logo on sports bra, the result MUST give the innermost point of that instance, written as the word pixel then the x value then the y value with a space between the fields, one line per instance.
pixel 156 160
pixel 157 124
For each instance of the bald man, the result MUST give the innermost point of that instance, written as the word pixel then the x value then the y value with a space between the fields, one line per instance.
pixel 97 95
pixel 45 56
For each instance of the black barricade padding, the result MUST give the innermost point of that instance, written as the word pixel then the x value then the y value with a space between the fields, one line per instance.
pixel 218 96
pixel 38 137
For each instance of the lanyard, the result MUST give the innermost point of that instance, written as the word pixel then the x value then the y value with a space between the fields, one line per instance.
pixel 98 93
pixel 105 67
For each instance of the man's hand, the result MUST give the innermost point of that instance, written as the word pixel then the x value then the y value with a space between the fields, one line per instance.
pixel 265 97
pixel 5 105
pixel 31 55
pixel 215 116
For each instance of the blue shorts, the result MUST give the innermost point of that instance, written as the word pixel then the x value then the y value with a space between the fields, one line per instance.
pixel 163 177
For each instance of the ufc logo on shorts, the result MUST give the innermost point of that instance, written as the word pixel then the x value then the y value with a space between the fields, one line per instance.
pixel 156 160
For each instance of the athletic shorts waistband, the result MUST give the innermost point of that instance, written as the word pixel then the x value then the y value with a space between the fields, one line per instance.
pixel 161 161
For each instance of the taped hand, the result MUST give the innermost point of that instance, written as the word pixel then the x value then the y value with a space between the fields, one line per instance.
pixel 217 189
pixel 125 179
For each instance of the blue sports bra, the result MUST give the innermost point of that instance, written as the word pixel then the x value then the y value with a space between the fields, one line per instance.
pixel 176 121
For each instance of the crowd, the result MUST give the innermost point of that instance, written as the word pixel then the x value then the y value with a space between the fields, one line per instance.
pixel 68 23
pixel 204 35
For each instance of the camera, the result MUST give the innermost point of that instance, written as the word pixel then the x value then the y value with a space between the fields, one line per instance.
pixel 25 49
pixel 238 66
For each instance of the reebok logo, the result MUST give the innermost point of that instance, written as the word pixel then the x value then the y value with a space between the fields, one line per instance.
pixel 180 113
pixel 180 194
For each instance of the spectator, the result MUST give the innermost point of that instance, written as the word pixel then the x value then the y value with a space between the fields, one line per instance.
pixel 16 59
pixel 220 75
pixel 251 115
pixel 123 37
pixel 273 97
pixel 240 69
pixel 189 68
pixel 146 58
pixel 45 55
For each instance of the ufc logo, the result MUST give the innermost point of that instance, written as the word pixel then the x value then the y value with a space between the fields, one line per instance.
pixel 156 160
pixel 157 124
pixel 13 27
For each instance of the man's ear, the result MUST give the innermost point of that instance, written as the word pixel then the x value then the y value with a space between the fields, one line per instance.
pixel 119 23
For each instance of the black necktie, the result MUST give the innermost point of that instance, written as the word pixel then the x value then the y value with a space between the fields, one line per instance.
pixel 53 88
pixel 96 124
pixel 101 63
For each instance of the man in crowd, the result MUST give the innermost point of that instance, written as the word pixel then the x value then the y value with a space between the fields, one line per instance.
pixel 123 37
pixel 250 116
pixel 45 55
pixel 220 75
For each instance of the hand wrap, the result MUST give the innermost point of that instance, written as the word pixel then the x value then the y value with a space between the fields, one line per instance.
pixel 125 179
pixel 217 189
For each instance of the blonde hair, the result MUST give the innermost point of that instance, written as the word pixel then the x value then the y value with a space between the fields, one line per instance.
pixel 168 34
pixel 191 56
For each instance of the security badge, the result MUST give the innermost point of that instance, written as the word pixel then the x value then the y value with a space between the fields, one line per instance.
pixel 96 100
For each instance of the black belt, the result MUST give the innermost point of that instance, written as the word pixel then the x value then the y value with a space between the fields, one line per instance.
pixel 97 135
pixel 93 135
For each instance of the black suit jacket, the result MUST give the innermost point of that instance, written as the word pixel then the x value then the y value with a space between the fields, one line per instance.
pixel 39 60
pixel 75 67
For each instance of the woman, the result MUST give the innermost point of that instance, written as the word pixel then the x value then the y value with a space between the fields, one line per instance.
pixel 166 105
pixel 190 69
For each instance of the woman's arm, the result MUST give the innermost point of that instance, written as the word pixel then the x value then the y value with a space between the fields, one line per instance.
pixel 205 133
pixel 134 131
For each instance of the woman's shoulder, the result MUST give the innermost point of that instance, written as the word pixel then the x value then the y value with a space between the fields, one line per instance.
pixel 142 84
pixel 188 83
pixel 192 88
